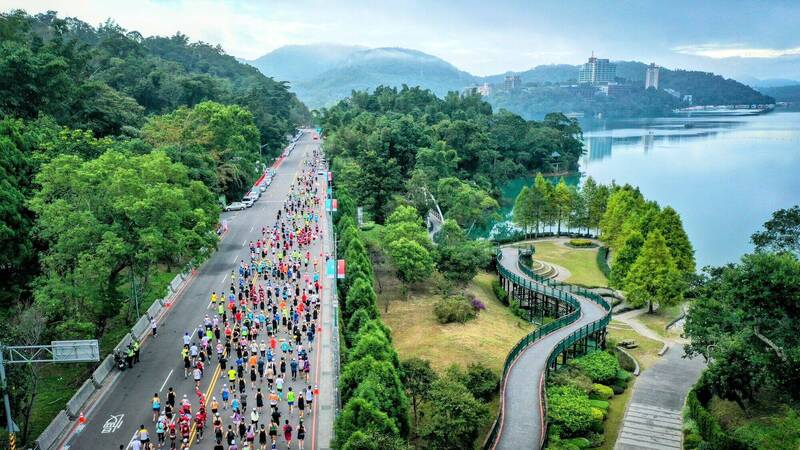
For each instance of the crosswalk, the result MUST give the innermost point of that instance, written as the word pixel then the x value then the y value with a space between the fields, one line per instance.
pixel 650 427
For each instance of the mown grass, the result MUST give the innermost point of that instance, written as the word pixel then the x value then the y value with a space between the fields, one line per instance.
pixel 647 351
pixel 416 333
pixel 582 263
pixel 616 412
pixel 658 320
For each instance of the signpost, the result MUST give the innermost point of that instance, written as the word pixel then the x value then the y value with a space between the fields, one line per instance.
pixel 57 351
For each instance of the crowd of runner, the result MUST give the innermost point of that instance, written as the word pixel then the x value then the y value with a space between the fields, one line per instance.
pixel 261 334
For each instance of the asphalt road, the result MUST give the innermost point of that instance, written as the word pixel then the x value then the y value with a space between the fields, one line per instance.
pixel 127 397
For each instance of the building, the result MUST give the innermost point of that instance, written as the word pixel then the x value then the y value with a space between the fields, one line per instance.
pixel 651 78
pixel 688 99
pixel 597 71
pixel 512 82
pixel 484 90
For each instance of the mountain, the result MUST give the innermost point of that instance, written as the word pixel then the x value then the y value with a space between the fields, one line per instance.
pixel 295 63
pixel 789 93
pixel 367 69
pixel 769 82
pixel 322 74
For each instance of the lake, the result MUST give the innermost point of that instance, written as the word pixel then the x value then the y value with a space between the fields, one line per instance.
pixel 724 175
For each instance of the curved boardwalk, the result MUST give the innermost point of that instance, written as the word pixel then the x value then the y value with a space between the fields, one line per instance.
pixel 522 419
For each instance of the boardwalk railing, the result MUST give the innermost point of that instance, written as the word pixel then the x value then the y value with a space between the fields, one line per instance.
pixel 563 292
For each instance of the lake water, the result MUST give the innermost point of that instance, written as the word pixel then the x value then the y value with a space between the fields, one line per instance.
pixel 724 175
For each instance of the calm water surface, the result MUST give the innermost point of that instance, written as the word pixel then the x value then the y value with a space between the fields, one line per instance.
pixel 724 175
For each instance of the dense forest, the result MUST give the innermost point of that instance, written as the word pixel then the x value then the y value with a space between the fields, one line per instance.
pixel 394 142
pixel 102 131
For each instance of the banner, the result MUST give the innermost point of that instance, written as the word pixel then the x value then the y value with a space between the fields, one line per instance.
pixel 330 270
pixel 340 269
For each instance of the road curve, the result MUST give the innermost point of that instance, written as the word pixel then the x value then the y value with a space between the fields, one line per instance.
pixel 522 420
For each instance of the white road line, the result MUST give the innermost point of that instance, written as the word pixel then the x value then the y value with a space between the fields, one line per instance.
pixel 235 258
pixel 245 241
pixel 251 228
pixel 165 380
pixel 223 279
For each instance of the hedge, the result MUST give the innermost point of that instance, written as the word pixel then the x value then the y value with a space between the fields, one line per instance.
pixel 710 430
pixel 598 365
pixel 602 261
pixel 499 292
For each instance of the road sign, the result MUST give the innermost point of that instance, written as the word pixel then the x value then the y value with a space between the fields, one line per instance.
pixel 75 351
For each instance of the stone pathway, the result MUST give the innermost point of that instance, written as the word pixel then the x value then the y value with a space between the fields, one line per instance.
pixel 653 417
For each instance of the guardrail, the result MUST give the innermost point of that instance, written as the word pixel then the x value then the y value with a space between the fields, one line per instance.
pixel 65 418
pixel 561 291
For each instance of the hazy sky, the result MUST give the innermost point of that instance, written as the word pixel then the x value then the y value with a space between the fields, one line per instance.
pixel 733 37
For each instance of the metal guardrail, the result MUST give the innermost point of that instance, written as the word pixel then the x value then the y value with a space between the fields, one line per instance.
pixel 563 292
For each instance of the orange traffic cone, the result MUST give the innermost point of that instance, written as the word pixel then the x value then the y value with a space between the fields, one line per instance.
pixel 81 419
pixel 316 390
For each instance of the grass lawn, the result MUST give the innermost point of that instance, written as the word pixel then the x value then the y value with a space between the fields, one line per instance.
pixel 416 333
pixel 582 263
pixel 660 318
pixel 647 351
pixel 616 412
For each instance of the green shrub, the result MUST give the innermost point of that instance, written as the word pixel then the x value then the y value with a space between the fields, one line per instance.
pixel 482 381
pixel 599 404
pixel 598 415
pixel 499 292
pixel 454 309
pixel 623 375
pixel 579 442
pixel 601 392
pixel 600 366
pixel 581 243
pixel 692 441
pixel 602 261
pixel 618 388
pixel 569 409
pixel 366 226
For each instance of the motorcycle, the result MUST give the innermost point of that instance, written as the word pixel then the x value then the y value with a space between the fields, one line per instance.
pixel 119 361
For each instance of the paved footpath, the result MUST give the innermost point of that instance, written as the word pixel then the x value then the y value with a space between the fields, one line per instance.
pixel 653 418
pixel 522 414
pixel 126 395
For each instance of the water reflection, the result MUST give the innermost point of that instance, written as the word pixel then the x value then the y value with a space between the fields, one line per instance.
pixel 725 176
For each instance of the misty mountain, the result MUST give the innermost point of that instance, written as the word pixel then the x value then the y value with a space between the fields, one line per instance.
pixel 322 74
pixel 295 63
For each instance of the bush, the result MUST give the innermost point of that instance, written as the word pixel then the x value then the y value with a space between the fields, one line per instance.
pixel 619 388
pixel 477 305
pixel 571 376
pixel 602 261
pixel 600 366
pixel 598 415
pixel 692 441
pixel 481 381
pixel 623 375
pixel 577 442
pixel 600 404
pixel 454 309
pixel 569 409
pixel 499 292
pixel 601 392
pixel 581 243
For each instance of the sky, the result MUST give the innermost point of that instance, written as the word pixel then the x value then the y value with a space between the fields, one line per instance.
pixel 737 38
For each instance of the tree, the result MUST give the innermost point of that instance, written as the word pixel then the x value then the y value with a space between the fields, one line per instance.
pixel 405 222
pixel 466 204
pixel 744 321
pixel 623 203
pixel 219 144
pixel 669 222
pixel 454 416
pixel 543 204
pixel 360 415
pixel 562 202
pixel 625 258
pixel 596 200
pixel 654 278
pixel 362 296
pixel 414 262
pixel 458 257
pixel 523 214
pixel 781 233
pixel 417 376
pixel 112 215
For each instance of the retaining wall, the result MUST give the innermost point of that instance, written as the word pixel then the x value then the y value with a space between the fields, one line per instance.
pixel 53 432
pixel 78 401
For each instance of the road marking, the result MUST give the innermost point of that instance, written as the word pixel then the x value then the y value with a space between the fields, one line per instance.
pixel 251 228
pixel 235 257
pixel 112 424
pixel 223 279
pixel 165 380
pixel 245 241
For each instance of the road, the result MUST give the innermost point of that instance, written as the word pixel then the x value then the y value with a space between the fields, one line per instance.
pixel 522 413
pixel 127 395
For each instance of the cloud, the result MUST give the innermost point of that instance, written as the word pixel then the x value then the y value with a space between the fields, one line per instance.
pixel 718 51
